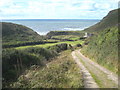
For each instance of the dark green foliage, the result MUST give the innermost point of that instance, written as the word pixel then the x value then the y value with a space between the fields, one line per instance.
pixel 42 51
pixel 104 48
pixel 79 45
pixel 59 47
pixel 14 62
pixel 14 32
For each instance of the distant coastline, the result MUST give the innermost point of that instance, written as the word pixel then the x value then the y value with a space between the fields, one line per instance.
pixel 43 26
pixel 47 19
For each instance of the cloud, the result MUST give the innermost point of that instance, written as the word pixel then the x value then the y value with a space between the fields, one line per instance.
pixel 56 9
pixel 5 2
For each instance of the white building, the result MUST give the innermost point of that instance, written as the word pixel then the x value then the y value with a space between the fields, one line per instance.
pixel 86 35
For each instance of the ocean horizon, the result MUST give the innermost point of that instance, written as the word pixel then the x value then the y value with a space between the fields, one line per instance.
pixel 43 26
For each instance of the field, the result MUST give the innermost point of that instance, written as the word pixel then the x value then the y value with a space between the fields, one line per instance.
pixel 70 37
pixel 51 44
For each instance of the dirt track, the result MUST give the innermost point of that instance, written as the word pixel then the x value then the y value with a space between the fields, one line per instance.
pixel 94 75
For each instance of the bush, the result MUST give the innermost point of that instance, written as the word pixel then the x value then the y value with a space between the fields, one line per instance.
pixel 59 47
pixel 14 62
pixel 78 45
pixel 42 51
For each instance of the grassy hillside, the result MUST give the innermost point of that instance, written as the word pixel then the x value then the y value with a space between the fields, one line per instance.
pixel 14 32
pixel 109 21
pixel 103 48
pixel 62 72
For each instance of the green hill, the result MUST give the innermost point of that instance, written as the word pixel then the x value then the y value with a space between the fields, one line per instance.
pixel 57 33
pixel 13 32
pixel 103 46
pixel 108 21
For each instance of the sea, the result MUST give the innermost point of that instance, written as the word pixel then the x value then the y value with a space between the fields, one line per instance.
pixel 43 26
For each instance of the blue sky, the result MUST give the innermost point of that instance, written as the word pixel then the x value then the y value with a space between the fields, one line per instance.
pixel 56 9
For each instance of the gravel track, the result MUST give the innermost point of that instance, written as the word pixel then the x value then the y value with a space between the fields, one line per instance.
pixel 102 76
pixel 89 82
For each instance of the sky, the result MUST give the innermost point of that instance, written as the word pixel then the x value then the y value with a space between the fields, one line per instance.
pixel 56 9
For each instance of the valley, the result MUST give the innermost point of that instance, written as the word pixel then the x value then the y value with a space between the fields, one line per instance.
pixel 61 59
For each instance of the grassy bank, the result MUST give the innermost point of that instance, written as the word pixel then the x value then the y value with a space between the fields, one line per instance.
pixel 62 72
pixel 103 48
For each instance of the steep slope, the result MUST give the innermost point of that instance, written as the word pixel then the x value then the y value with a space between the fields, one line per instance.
pixel 109 21
pixel 14 32
pixel 103 48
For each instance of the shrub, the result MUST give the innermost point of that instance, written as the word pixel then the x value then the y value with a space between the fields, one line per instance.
pixel 78 45
pixel 42 51
pixel 14 62
pixel 59 47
